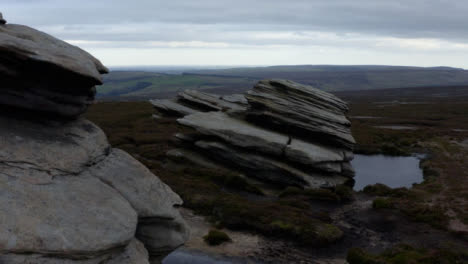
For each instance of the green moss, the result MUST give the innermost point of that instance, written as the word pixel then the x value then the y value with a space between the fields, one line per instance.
pixel 215 237
pixel 383 203
pixel 328 233
pixel 282 226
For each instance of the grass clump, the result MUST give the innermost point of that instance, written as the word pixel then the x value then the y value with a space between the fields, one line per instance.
pixel 216 237
pixel 383 203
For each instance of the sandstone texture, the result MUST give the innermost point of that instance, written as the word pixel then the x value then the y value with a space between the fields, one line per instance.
pixel 66 196
pixel 42 73
pixel 279 132
pixel 191 102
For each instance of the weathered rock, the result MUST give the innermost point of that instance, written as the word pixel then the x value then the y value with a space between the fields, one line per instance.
pixel 22 43
pixel 301 109
pixel 70 216
pixel 192 157
pixel 310 154
pixel 347 169
pixel 236 99
pixel 172 107
pixel 37 151
pixel 237 132
pixel 45 74
pixel 161 236
pixel 209 102
pixel 147 194
pixel 266 169
pixel 65 195
pixel 134 253
pixel 283 132
pixel 74 198
pixel 245 135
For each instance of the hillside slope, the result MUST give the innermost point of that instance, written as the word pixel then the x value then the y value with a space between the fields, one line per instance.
pixel 141 84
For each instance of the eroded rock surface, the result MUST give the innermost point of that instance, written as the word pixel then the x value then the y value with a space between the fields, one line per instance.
pixel 280 132
pixel 192 101
pixel 42 73
pixel 65 195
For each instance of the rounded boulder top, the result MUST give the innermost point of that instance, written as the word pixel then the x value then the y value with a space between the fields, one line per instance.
pixel 2 20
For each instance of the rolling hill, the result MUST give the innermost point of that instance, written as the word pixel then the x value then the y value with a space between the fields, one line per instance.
pixel 144 84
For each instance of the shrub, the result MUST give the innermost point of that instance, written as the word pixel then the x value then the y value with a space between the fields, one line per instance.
pixel 377 189
pixel 215 237
pixel 359 256
pixel 345 192
pixel 383 203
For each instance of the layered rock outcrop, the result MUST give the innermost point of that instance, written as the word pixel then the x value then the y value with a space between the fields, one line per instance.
pixel 280 131
pixel 66 196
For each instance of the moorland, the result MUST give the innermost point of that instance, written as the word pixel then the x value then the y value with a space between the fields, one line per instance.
pixel 427 223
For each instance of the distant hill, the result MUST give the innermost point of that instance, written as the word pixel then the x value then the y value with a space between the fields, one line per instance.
pixel 345 78
pixel 144 84
pixel 151 84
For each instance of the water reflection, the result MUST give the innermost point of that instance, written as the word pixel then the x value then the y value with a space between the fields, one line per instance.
pixel 391 171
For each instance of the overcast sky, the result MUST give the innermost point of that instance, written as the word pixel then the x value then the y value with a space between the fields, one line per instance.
pixel 255 32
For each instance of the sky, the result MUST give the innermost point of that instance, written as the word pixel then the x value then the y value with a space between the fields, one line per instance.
pixel 255 32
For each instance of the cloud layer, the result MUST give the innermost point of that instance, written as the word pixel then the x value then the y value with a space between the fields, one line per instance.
pixel 282 32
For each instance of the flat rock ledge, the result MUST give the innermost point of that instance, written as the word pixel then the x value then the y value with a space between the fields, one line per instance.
pixel 279 132
pixel 67 196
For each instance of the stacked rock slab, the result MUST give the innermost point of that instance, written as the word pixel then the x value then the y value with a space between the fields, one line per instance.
pixel 280 132
pixel 66 196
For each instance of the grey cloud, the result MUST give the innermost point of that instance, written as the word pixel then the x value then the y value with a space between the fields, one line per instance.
pixel 399 18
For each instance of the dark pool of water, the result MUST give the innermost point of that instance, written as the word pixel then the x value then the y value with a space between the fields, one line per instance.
pixel 184 256
pixel 392 171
